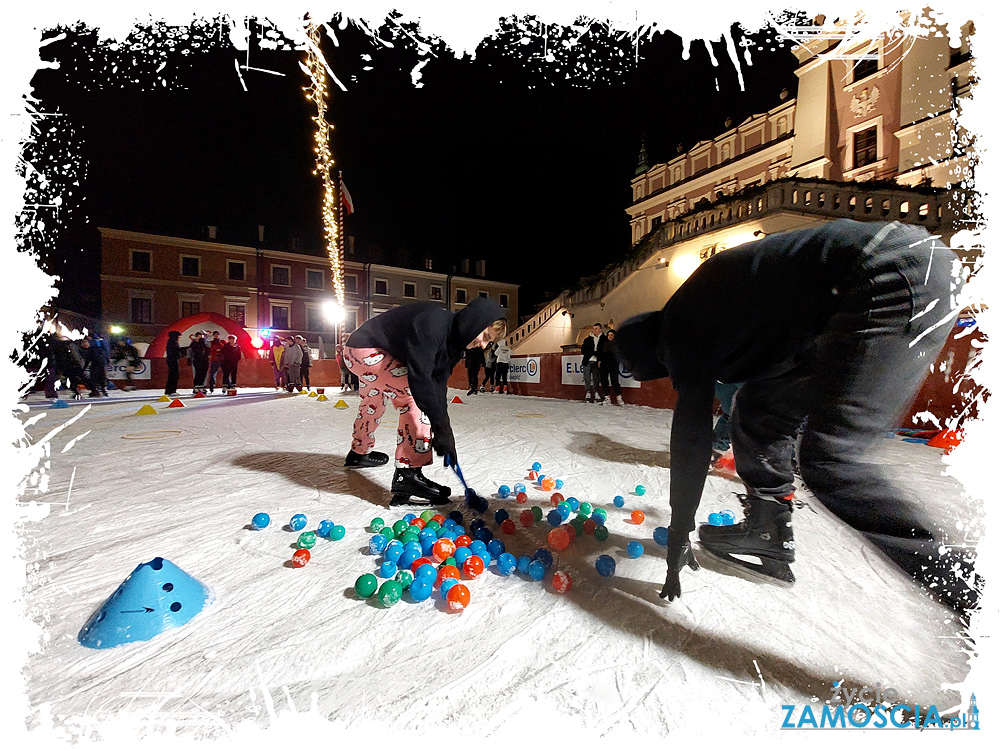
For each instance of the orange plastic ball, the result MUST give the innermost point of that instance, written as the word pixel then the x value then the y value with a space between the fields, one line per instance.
pixel 548 483
pixel 508 527
pixel 447 572
pixel 438 518
pixel 458 598
pixel 300 558
pixel 418 523
pixel 443 550
pixel 522 497
pixel 559 538
pixel 561 581
pixel 473 566
pixel 638 517
pixel 419 562
pixel 463 541
pixel 532 475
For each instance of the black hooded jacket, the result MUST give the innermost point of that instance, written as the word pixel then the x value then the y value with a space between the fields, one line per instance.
pixel 430 340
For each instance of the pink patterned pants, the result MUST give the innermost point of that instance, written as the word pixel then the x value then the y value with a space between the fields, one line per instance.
pixel 381 376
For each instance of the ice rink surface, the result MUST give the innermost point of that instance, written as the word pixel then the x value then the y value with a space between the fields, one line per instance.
pixel 607 657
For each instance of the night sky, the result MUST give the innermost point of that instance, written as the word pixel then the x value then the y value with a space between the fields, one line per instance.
pixel 509 157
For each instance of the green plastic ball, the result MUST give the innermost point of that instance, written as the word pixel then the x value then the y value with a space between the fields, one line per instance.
pixel 537 511
pixel 405 578
pixel 433 524
pixel 577 524
pixel 390 592
pixel 427 515
pixel 450 561
pixel 586 508
pixel 365 586
pixel 337 532
pixel 399 527
pixel 306 540
pixel 388 533
pixel 376 524
pixel 410 535
pixel 601 533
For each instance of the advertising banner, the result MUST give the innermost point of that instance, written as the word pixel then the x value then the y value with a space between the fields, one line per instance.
pixel 524 370
pixel 572 373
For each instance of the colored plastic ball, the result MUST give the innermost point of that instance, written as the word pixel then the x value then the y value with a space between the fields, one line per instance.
pixel 536 570
pixel 728 517
pixel 260 520
pixel 306 540
pixel 399 527
pixel 451 561
pixel 508 527
pixel 589 525
pixel 427 546
pixel 660 535
pixel 426 571
pixel 506 564
pixel 503 491
pixel 458 598
pixel 537 466
pixel 605 565
pixel 576 524
pixel 390 592
pixel 573 503
pixel 586 508
pixel 456 516
pixel 537 511
pixel 300 558
pixel 619 501
pixel 388 569
pixel 484 535
pixel 446 586
pixel 554 518
pixel 478 547
pixel 392 551
pixel 548 483
pixel 407 558
pixel 475 525
pixel 421 589
pixel 439 518
pixel 500 516
pixel 377 544
pixel 473 566
pixel 487 560
pixel 519 487
pixel 634 549
pixel 544 556
pixel 418 523
pixel 565 512
pixel 463 541
pixel 561 582
pixel 601 533
pixel 557 498
pixel 559 484
pixel 571 531
pixel 443 549
pixel 532 475
pixel 433 524
pixel 448 524
pixel 447 572
pixel 715 519
pixel 414 546
pixel 409 518
pixel 298 522
pixel 599 515
pixel 323 530
pixel 527 518
pixel 427 515
pixel 365 586
pixel 388 533
pixel 559 538
pixel 412 534
pixel 638 517
pixel 461 554
pixel 376 524
pixel 640 490
pixel 337 532
pixel 422 561
pixel 523 562
pixel 405 579
pixel 521 497
pixel 496 548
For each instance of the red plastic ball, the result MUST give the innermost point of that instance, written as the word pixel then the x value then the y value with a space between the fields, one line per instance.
pixel 561 581
pixel 438 518
pixel 448 572
pixel 522 497
pixel 638 517
pixel 458 598
pixel 420 562
pixel 473 566
pixel 589 526
pixel 527 518
pixel 571 531
pixel 559 538
pixel 418 523
pixel 508 527
pixel 557 498
pixel 532 475
pixel 463 541
pixel 300 558
pixel 443 550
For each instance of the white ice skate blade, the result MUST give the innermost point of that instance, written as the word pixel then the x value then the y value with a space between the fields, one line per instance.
pixel 749 567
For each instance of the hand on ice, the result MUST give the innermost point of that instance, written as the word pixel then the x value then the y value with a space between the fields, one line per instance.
pixel 679 555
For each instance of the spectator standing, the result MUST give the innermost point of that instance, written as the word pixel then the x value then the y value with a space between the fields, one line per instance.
pixel 474 360
pixel 198 357
pixel 173 354
pixel 214 359
pixel 293 363
pixel 231 356
pixel 592 345
pixel 278 363
pixel 503 366
pixel 608 363
pixel 306 361
pixel 490 357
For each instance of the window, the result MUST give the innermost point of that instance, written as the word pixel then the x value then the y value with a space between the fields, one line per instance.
pixel 281 275
pixel 461 296
pixel 350 320
pixel 381 286
pixel 351 283
pixel 504 301
pixel 190 266
pixel 865 67
pixel 237 312
pixel 314 279
pixel 657 221
pixel 279 317
pixel 236 271
pixel 428 263
pixel 190 308
pixel 142 260
pixel 437 292
pixel 314 319
pixel 409 289
pixel 865 147
pixel 142 310
pixel 485 294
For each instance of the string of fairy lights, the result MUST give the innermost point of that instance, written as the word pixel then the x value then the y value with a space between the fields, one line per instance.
pixel 317 92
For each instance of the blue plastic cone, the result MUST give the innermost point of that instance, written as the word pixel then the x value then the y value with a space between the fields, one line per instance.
pixel 156 596
pixel 59 404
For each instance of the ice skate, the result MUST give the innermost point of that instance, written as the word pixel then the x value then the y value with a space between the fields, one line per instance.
pixel 411 488
pixel 765 534
pixel 371 459
pixel 614 399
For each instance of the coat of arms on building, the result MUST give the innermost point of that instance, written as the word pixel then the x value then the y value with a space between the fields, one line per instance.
pixel 863 103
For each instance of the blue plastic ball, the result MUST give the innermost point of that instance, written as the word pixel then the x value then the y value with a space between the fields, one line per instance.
pixel 409 518
pixel 260 520
pixel 501 516
pixel 599 515
pixel 459 530
pixel 554 517
pixel 461 554
pixel 506 564
pixel 605 565
pixel 323 530
pixel 446 585
pixel 427 532
pixel 634 549
pixel 640 490
pixel 536 570
pixel 523 562
pixel 427 545
pixel 519 488
pixel 393 550
pixel 539 479
pixel 619 501
pixel 574 504
pixel 728 517
pixel 407 558
pixel 564 512
pixel 421 589
pixel 660 535
pixel 484 534
pixel 298 522
pixel 387 570
pixel 559 484
pixel 449 534
pixel 715 519
pixel 413 547
pixel 544 556
pixel 503 491
pixel 475 525
pixel 478 547
pixel 456 516
pixel 448 524
pixel 426 571
pixel 377 544
pixel 496 547
pixel 536 466
pixel 486 558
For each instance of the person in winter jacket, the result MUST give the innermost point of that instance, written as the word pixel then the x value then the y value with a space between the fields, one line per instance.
pixel 277 363
pixel 292 360
pixel 231 356
pixel 406 355
pixel 306 361
pixel 197 353
pixel 97 360
pixel 490 365
pixel 474 360
pixel 608 365
pixel 503 353
pixel 173 356
pixel 591 348
pixel 831 328
pixel 125 352
pixel 214 359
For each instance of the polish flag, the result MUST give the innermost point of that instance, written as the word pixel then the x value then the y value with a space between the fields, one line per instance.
pixel 345 199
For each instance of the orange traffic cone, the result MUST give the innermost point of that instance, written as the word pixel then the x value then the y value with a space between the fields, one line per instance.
pixel 946 439
pixel 456 400
pixel 176 403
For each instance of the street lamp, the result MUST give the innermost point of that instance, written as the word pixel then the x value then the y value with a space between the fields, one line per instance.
pixel 335 314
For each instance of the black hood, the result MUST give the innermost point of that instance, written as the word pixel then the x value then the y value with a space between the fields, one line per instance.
pixel 636 342
pixel 471 320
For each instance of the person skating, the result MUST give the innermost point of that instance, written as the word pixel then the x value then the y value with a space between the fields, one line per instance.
pixel 503 366
pixel 490 367
pixel 214 359
pixel 126 352
pixel 590 364
pixel 173 356
pixel 292 361
pixel 721 439
pixel 197 353
pixel 474 360
pixel 96 358
pixel 406 355
pixel 277 356
pixel 834 327
pixel 306 363
pixel 231 356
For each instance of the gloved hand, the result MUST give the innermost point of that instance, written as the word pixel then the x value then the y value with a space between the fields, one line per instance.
pixel 443 443
pixel 679 555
